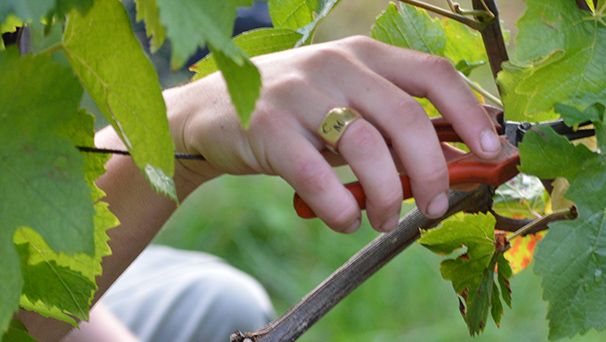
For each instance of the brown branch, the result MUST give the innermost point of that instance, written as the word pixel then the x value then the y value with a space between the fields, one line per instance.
pixel 512 225
pixel 492 36
pixel 359 268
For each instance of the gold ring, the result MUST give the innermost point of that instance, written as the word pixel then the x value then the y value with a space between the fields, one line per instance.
pixel 334 125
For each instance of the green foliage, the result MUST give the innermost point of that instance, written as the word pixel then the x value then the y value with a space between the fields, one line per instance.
pixel 411 27
pixel 571 256
pixel 302 16
pixel 55 285
pixel 56 252
pixel 293 14
pixel 17 333
pixel 41 170
pixel 108 59
pixel 148 11
pixel 471 266
pixel 27 10
pixel 557 44
pixel 253 43
pixel 190 25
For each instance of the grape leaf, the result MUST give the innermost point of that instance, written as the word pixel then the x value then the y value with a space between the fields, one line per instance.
pixel 571 258
pixel 42 179
pixel 573 116
pixel 63 7
pixel 27 10
pixel 473 273
pixel 560 52
pixel 9 25
pixel 522 250
pixel 48 282
pixel 110 63
pixel 253 43
pixel 309 30
pixel 17 332
pixel 521 197
pixel 411 27
pixel 190 25
pixel 37 257
pixel 148 11
pixel 45 311
pixel 293 14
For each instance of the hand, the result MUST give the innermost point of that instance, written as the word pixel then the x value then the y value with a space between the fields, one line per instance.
pixel 299 87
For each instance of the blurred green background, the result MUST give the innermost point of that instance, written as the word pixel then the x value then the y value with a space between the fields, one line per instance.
pixel 249 221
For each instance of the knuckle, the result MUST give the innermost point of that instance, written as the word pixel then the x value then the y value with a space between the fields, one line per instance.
pixel 359 41
pixel 439 65
pixel 362 138
pixel 436 176
pixel 389 201
pixel 342 221
pixel 413 115
pixel 329 57
pixel 310 176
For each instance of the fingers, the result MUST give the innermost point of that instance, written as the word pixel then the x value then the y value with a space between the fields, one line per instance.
pixel 365 151
pixel 433 77
pixel 379 81
pixel 415 142
pixel 300 163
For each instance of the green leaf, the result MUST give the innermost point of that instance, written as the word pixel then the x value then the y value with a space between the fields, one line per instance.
pixel 253 43
pixel 193 24
pixel 473 273
pixel 147 10
pixel 505 273
pixel 573 116
pixel 308 31
pixel 26 10
pixel 42 179
pixel 45 311
pixel 293 14
pixel 70 296
pixel 48 282
pixel 560 53
pixel 244 83
pixel 464 47
pixel 10 24
pixel 544 152
pixel 63 7
pixel 190 25
pixel 571 258
pixel 17 332
pixel 110 63
pixel 411 28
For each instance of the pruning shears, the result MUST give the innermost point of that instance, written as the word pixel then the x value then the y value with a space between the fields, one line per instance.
pixel 469 169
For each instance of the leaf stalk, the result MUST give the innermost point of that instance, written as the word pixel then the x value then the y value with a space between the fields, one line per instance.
pixel 492 98
pixel 541 223
pixel 458 16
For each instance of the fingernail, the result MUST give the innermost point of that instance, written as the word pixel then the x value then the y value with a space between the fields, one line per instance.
pixel 390 224
pixel 489 141
pixel 353 227
pixel 438 206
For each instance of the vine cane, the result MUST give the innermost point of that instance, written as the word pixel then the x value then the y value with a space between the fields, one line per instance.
pixel 359 268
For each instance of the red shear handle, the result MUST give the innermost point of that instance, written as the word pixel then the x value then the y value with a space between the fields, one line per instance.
pixel 468 169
